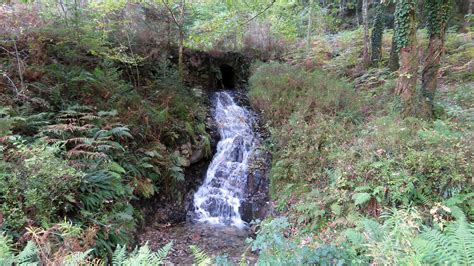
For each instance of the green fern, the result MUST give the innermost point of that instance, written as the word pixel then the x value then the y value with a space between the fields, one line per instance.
pixel 6 254
pixel 120 255
pixel 28 256
pixel 162 253
pixel 454 246
pixel 200 257
pixel 76 258
pixel 140 256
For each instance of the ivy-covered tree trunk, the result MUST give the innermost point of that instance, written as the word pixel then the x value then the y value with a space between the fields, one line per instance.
pixel 365 21
pixel 437 19
pixel 393 63
pixel 405 19
pixel 377 34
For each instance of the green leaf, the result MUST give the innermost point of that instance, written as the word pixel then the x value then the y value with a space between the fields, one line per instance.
pixel 361 198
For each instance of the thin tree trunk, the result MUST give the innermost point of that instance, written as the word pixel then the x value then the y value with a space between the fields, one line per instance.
pixel 377 34
pixel 181 42
pixel 310 22
pixel 365 21
pixel 181 56
pixel 180 24
pixel 393 62
pixel 357 12
pixel 61 4
pixel 406 82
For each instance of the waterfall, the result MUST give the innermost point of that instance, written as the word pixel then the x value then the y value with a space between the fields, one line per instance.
pixel 218 200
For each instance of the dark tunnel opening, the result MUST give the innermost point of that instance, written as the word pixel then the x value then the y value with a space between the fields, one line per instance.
pixel 228 77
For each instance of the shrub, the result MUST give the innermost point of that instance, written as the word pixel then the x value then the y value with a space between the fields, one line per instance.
pixel 37 185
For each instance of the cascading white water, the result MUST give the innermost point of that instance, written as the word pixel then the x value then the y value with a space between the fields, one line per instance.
pixel 217 201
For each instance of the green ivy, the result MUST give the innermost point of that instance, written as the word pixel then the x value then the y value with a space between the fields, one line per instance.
pixel 405 9
pixel 437 15
pixel 377 33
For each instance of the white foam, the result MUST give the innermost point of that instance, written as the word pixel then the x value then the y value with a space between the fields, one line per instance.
pixel 218 200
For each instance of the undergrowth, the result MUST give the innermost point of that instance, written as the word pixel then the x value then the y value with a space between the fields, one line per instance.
pixel 344 160
pixel 88 127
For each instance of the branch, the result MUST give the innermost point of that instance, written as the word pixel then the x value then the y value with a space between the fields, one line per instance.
pixel 171 12
pixel 261 12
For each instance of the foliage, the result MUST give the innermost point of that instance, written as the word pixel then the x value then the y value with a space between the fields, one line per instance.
pixel 403 22
pixel 200 257
pixel 453 245
pixel 437 16
pixel 275 248
pixel 36 168
pixel 293 90
pixel 92 120
pixel 141 256
pixel 329 170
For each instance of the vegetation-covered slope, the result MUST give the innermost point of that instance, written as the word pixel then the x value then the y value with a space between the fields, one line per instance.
pixel 357 182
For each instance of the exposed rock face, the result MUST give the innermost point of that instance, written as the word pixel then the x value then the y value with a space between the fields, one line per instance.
pixel 255 206
pixel 216 70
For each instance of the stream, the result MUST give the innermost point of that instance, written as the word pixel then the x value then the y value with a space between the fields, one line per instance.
pixel 215 225
pixel 218 200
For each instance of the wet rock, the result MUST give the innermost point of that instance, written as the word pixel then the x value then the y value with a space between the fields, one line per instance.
pixel 237 154
pixel 254 208
pixel 197 153
pixel 218 207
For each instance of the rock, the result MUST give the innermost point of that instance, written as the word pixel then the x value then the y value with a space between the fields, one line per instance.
pixel 195 237
pixel 252 209
pixel 185 162
pixel 237 154
pixel 197 154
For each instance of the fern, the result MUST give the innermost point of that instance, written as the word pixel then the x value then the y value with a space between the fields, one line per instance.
pixel 200 257
pixel 99 186
pixel 76 258
pixel 120 255
pixel 453 246
pixel 140 256
pixel 28 256
pixel 6 254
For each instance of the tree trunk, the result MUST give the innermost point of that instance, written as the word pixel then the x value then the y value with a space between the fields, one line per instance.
pixel 393 63
pixel 310 24
pixel 429 80
pixel 437 29
pixel 365 21
pixel 180 55
pixel 406 82
pixel 181 42
pixel 377 35
pixel 357 12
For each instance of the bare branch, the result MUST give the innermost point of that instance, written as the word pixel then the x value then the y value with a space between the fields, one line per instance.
pixel 260 13
pixel 171 13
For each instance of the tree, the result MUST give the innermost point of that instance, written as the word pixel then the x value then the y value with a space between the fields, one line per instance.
pixel 179 22
pixel 393 63
pixel 437 17
pixel 365 21
pixel 310 20
pixel 405 20
pixel 377 34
